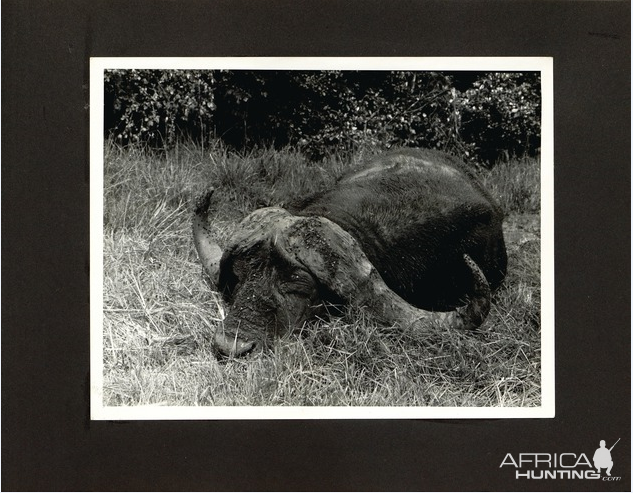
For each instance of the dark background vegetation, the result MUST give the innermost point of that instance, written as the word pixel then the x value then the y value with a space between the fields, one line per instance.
pixel 49 443
pixel 479 116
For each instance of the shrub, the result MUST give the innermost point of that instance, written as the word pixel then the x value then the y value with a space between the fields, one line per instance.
pixel 156 107
pixel 501 117
pixel 490 117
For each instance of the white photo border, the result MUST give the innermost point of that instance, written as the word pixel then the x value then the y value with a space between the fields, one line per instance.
pixel 98 65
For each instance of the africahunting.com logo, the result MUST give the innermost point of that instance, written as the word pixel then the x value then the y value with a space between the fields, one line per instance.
pixel 568 465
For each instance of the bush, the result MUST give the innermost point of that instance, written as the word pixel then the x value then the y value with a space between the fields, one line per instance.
pixel 501 116
pixel 491 117
pixel 156 107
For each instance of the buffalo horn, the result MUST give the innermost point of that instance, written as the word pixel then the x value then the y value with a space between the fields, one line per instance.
pixel 337 260
pixel 208 250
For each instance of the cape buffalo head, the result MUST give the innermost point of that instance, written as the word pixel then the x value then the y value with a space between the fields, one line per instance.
pixel 280 270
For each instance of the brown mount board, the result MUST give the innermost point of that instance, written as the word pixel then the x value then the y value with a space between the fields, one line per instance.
pixel 50 442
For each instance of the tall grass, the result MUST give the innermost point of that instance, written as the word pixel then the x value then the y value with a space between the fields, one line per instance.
pixel 160 314
pixel 516 185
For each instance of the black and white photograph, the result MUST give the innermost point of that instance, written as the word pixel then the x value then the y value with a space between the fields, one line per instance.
pixel 322 238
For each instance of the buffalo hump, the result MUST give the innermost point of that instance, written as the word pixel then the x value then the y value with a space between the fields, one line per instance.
pixel 415 212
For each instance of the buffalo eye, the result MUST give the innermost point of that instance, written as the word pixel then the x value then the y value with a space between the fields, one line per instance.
pixel 299 283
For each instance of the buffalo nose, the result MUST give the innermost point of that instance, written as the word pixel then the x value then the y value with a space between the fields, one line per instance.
pixel 232 345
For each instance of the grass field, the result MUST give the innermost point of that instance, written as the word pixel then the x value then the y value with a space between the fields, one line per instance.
pixel 160 314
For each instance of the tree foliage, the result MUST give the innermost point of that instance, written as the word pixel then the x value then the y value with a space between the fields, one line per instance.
pixel 493 115
pixel 155 107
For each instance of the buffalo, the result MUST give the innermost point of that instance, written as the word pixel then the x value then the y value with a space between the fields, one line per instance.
pixel 411 236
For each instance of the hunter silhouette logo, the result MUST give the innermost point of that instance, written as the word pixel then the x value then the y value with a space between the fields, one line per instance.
pixel 602 457
pixel 562 465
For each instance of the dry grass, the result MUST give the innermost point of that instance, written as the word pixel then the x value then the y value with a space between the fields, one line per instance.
pixel 160 314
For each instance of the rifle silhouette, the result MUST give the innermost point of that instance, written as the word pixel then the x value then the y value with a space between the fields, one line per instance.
pixel 614 445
